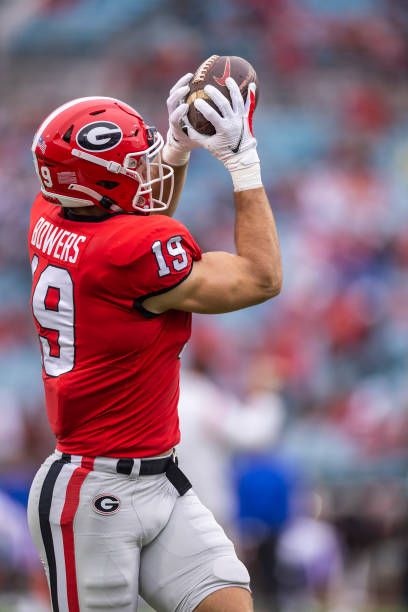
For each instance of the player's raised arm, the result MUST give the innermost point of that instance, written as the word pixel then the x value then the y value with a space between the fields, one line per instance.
pixel 222 282
pixel 176 151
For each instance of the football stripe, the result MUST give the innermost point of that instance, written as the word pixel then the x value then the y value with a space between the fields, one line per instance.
pixel 44 507
pixel 252 104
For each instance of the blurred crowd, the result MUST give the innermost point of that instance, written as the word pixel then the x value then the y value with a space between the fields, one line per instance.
pixel 295 413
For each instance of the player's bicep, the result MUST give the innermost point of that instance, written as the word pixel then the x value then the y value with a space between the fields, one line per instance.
pixel 219 282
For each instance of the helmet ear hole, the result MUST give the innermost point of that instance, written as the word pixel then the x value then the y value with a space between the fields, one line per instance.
pixel 108 184
pixel 68 134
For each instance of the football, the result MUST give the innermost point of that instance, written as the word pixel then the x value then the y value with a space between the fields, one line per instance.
pixel 214 71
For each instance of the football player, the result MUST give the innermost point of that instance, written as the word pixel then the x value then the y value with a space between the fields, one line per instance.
pixel 115 280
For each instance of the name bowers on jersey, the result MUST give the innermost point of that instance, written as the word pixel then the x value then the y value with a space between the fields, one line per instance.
pixel 56 242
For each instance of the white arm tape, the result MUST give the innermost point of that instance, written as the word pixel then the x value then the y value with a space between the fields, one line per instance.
pixel 247 178
pixel 174 157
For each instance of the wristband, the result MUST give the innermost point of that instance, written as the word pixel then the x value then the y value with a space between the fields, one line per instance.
pixel 174 156
pixel 247 178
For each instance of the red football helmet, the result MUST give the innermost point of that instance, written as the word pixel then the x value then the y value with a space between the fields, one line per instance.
pixel 98 151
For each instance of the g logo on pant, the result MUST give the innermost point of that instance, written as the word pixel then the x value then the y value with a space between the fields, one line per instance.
pixel 105 504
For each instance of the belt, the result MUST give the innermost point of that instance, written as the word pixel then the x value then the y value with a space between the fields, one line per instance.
pixel 146 467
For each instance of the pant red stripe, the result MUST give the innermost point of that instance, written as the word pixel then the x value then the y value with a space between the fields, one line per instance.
pixel 88 463
pixel 67 528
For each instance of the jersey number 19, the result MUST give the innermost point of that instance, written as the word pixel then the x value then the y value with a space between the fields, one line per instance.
pixel 53 308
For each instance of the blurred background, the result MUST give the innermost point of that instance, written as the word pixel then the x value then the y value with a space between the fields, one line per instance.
pixel 294 413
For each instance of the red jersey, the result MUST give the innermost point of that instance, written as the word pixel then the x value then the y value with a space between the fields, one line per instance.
pixel 110 368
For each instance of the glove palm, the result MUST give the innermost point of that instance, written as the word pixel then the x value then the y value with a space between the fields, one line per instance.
pixel 233 142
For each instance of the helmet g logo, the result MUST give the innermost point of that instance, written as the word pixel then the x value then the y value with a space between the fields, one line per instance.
pixel 99 136
pixel 105 504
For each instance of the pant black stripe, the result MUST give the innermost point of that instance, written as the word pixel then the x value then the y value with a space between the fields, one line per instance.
pixel 44 508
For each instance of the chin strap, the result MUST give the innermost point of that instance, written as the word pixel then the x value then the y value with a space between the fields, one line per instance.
pixel 105 202
pixel 66 201
pixel 90 192
pixel 111 166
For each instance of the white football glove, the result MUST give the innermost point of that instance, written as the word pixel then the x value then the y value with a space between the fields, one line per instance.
pixel 233 142
pixel 178 145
